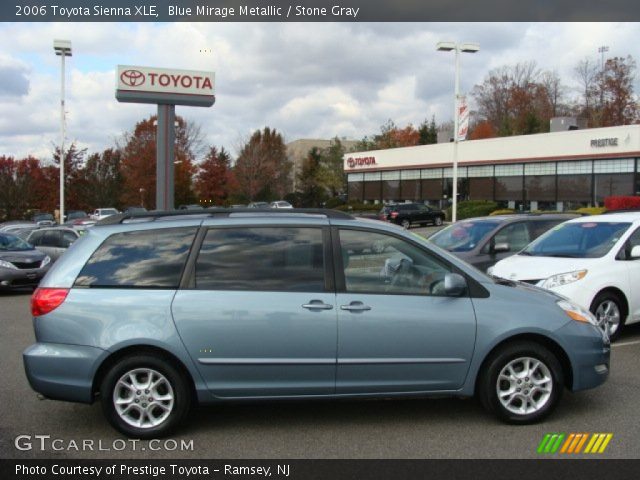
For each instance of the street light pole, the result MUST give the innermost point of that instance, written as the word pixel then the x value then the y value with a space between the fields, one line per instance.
pixel 63 49
pixel 456 48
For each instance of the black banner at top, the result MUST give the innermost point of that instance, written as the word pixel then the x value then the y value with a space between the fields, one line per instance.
pixel 317 10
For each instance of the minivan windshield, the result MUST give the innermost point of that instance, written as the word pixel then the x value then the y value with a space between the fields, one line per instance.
pixel 11 243
pixel 577 240
pixel 463 236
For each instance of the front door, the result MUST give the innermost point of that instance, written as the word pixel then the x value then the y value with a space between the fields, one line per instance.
pixel 259 319
pixel 397 330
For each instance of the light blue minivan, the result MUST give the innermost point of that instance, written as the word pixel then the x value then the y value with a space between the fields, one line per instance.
pixel 153 313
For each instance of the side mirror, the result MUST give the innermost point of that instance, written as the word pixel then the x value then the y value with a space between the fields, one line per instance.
pixel 635 252
pixel 454 284
pixel 501 247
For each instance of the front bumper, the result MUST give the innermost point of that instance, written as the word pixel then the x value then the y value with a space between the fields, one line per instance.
pixel 589 351
pixel 62 372
pixel 29 277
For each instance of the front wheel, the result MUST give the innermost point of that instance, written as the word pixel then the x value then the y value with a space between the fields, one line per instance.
pixel 522 383
pixel 144 396
pixel 607 307
pixel 405 224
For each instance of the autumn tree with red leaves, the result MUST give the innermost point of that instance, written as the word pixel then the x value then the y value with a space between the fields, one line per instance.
pixel 215 181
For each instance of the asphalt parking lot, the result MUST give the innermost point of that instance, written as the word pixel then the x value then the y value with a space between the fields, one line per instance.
pixel 435 428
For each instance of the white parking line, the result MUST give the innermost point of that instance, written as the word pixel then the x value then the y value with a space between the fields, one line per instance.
pixel 624 344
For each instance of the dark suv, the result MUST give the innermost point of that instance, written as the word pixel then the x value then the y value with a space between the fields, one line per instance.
pixel 483 241
pixel 407 214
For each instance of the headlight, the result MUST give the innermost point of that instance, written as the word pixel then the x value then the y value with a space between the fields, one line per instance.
pixel 564 279
pixel 577 313
pixel 45 261
pixel 7 265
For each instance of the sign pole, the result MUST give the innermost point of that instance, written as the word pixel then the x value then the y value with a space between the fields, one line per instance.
pixel 165 155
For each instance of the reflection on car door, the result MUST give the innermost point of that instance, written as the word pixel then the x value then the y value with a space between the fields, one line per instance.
pixel 633 270
pixel 259 318
pixel 516 235
pixel 397 331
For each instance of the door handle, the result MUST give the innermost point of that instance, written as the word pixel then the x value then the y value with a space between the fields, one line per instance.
pixel 355 307
pixel 317 305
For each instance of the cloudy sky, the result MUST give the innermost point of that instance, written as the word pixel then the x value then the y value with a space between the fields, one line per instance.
pixel 306 80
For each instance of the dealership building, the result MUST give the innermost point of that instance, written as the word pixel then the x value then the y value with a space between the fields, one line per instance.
pixel 548 171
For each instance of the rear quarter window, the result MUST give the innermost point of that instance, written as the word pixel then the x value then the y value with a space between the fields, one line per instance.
pixel 143 259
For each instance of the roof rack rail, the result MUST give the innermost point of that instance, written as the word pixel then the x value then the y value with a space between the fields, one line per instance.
pixel 222 212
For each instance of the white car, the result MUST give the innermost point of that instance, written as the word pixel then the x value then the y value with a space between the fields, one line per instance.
pixel 281 204
pixel 594 261
pixel 100 213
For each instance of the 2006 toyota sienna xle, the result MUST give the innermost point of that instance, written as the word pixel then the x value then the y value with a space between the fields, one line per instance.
pixel 154 313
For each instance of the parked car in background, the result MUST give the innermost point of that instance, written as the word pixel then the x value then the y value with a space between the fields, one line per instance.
pixel 24 232
pixel 78 219
pixel 408 214
pixel 193 206
pixel 483 241
pixel 280 204
pixel 594 261
pixel 258 205
pixel 44 219
pixel 152 317
pixel 100 213
pixel 130 210
pixel 14 225
pixel 21 265
pixel 53 241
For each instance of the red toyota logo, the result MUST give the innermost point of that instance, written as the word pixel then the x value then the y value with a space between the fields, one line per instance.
pixel 133 78
pixel 351 162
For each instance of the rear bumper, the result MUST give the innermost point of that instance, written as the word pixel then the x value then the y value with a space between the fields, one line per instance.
pixel 589 353
pixel 62 372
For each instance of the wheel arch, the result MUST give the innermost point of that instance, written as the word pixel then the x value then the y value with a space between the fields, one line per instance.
pixel 548 343
pixel 116 356
pixel 619 293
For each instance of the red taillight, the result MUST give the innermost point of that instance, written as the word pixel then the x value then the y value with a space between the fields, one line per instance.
pixel 45 300
pixel 394 214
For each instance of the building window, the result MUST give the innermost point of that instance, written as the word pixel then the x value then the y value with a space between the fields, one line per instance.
pixel 574 188
pixel 372 191
pixel 620 165
pixel 463 188
pixel 372 176
pixel 572 168
pixel 540 188
pixel 410 174
pixel 608 184
pixel 432 189
pixel 480 188
pixel 355 191
pixel 394 175
pixel 508 188
pixel 546 168
pixel 509 170
pixel 448 172
pixel 481 171
pixel 431 173
pixel 355 177
pixel 410 189
pixel 391 190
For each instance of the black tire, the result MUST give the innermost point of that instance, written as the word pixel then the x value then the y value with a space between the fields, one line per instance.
pixel 179 390
pixel 488 381
pixel 405 223
pixel 610 297
pixel 438 221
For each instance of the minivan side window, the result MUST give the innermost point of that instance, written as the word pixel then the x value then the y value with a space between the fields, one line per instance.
pixel 380 263
pixel 261 259
pixel 515 234
pixel 142 259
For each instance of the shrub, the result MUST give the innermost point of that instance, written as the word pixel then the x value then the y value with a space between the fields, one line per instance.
pixel 622 202
pixel 473 208
pixel 591 210
pixel 503 211
pixel 334 202
pixel 359 207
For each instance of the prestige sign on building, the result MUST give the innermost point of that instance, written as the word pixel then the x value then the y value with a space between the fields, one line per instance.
pixel 162 85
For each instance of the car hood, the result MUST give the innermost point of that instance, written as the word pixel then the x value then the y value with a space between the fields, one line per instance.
pixel 522 267
pixel 24 256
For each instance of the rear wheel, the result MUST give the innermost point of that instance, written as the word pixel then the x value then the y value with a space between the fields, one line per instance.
pixel 522 383
pixel 608 309
pixel 438 221
pixel 145 396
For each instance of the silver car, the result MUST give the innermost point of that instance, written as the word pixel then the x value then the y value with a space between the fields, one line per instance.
pixel 53 241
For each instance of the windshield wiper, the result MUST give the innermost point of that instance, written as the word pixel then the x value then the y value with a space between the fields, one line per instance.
pixel 562 255
pixel 524 252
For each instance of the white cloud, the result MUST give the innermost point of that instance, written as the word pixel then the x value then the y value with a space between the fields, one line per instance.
pixel 305 80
